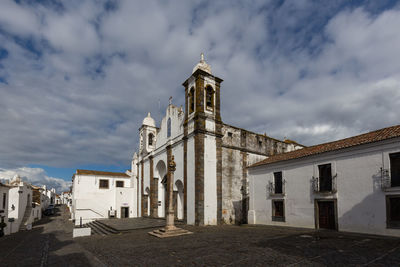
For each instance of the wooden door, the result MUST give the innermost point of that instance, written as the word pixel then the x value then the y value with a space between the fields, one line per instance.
pixel 124 212
pixel 326 215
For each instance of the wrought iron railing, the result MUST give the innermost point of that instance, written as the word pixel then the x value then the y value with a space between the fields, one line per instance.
pixel 317 188
pixel 385 179
pixel 273 190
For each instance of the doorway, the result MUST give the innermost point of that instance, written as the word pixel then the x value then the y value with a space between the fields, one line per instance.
pixel 326 214
pixel 124 212
pixel 178 199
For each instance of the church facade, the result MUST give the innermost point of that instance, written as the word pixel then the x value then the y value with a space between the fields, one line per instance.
pixel 210 181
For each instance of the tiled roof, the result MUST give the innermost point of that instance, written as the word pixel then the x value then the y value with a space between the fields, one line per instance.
pixel 375 136
pixel 100 173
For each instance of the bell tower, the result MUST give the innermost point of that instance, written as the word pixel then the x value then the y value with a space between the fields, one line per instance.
pixel 203 147
pixel 148 133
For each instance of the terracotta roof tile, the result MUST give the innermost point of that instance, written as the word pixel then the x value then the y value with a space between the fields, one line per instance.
pixel 101 173
pixel 375 136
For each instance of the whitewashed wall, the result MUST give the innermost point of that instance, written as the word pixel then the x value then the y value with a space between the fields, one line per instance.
pixel 360 199
pixel 18 197
pixel 91 202
pixel 190 181
pixel 4 190
pixel 210 181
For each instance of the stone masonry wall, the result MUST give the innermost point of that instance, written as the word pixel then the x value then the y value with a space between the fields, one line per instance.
pixel 241 148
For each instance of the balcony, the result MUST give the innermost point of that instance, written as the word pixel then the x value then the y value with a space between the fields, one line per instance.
pixel 276 189
pixel 326 185
pixel 387 183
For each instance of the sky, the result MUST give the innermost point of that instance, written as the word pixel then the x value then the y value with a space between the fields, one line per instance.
pixel 78 77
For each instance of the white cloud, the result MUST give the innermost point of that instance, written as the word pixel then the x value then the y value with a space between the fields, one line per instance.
pixel 36 176
pixel 308 71
pixel 18 19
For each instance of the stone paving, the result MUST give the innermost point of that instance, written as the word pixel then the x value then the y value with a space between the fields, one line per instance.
pixel 50 243
pixel 245 246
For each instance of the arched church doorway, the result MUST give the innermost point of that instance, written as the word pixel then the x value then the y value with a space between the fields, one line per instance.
pixel 163 192
pixel 179 200
pixel 147 199
pixel 161 174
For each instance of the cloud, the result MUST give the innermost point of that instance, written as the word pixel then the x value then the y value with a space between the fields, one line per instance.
pixel 78 78
pixel 36 176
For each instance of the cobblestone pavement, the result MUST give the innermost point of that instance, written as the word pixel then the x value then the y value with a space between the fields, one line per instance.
pixel 49 243
pixel 245 246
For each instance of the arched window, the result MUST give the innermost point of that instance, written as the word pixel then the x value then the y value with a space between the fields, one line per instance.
pixel 191 100
pixel 169 127
pixel 209 97
pixel 151 137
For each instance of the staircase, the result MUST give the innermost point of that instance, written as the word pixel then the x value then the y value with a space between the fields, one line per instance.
pixel 99 228
pixel 27 214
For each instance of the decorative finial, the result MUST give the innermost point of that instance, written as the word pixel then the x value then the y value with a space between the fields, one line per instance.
pixel 202 57
pixel 170 100
pixel 148 114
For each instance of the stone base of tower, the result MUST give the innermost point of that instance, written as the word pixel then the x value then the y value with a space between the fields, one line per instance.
pixel 170 232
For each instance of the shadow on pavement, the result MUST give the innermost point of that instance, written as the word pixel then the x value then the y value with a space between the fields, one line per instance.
pixel 49 243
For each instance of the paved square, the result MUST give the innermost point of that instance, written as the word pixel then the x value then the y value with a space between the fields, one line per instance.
pixel 50 243
pixel 245 246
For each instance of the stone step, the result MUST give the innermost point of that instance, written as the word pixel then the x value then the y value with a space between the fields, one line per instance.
pixel 163 233
pixel 106 227
pixel 99 228
pixel 96 230
pixel 27 214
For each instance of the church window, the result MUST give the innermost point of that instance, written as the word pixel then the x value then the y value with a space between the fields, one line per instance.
pixel 395 169
pixel 151 137
pixel 229 134
pixel 103 184
pixel 191 100
pixel 209 98
pixel 169 127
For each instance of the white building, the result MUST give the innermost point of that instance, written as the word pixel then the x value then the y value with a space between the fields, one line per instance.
pixel 349 185
pixel 4 191
pixel 19 205
pixel 210 182
pixel 51 195
pixel 66 198
pixel 45 197
pixel 58 199
pixel 99 195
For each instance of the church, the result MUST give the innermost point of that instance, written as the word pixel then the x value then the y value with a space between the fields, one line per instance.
pixel 210 182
